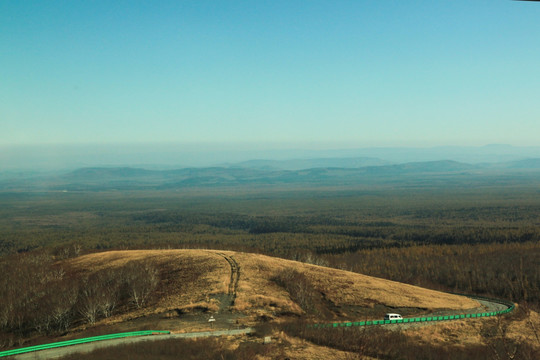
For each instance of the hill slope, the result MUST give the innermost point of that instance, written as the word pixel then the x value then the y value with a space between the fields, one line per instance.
pixel 262 286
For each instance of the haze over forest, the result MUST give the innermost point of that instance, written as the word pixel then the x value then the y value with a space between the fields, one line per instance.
pixel 176 156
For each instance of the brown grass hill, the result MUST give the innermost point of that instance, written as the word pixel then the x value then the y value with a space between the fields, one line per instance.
pixel 254 286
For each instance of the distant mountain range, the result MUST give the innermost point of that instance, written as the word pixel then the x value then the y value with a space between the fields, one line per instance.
pixel 520 164
pixel 300 164
pixel 171 156
pixel 279 173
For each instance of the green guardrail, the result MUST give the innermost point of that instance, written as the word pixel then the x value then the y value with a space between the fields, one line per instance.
pixel 510 307
pixel 82 341
pixel 330 325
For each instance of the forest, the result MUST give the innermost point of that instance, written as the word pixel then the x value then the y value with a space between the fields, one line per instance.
pixel 470 240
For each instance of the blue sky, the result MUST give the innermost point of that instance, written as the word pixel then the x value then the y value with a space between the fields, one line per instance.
pixel 309 73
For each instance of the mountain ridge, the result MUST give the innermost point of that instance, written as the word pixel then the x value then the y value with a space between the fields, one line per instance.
pixel 422 173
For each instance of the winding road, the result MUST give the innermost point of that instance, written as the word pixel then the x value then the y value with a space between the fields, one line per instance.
pixel 486 306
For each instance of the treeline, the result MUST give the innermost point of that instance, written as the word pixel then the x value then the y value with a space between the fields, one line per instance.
pixel 279 223
pixel 275 235
pixel 39 297
pixel 509 271
pixel 449 226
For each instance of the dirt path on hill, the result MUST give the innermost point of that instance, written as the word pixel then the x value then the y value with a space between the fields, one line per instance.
pixel 235 277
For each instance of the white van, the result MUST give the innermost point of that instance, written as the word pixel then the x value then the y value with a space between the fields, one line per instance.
pixel 393 317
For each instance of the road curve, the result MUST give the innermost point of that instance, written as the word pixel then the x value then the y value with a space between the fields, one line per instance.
pixel 89 347
pixel 486 305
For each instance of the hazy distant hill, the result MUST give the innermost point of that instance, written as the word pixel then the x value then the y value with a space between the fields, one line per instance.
pixel 130 178
pixel 431 166
pixel 171 156
pixel 262 173
pixel 114 172
pixel 522 164
pixel 301 164
pixel 133 178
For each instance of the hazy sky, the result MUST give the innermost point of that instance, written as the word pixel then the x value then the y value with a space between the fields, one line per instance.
pixel 351 73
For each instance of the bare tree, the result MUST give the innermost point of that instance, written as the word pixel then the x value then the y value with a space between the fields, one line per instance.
pixel 62 312
pixel 141 278
pixel 89 301
pixel 502 346
pixel 109 296
pixel 524 309
pixel 77 247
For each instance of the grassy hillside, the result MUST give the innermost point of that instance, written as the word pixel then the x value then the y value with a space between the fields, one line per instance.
pixel 179 289
pixel 194 284
pixel 194 277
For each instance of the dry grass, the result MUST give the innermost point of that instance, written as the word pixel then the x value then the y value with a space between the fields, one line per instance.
pixel 258 295
pixel 526 329
pixel 299 349
pixel 341 287
pixel 458 332
pixel 467 332
pixel 190 277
